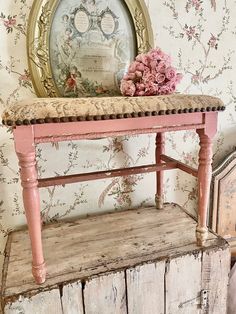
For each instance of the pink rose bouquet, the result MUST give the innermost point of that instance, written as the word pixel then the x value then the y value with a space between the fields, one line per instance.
pixel 150 74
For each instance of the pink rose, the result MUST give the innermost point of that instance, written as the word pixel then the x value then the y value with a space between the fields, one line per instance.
pixel 168 88
pixel 131 76
pixel 133 66
pixel 160 78
pixel 161 67
pixel 138 74
pixel 164 90
pixel 127 88
pixel 140 67
pixel 156 54
pixel 140 86
pixel 153 64
pixel 167 60
pixel 139 93
pixel 146 71
pixel 149 77
pixel 171 85
pixel 170 73
pixel 143 58
pixel 151 89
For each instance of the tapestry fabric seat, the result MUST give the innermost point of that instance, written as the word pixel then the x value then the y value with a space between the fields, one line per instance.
pixel 48 110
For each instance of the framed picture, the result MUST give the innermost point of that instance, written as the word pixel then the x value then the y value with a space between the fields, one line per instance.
pixel 82 48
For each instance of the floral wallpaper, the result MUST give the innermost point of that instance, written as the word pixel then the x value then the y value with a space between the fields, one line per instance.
pixel 200 35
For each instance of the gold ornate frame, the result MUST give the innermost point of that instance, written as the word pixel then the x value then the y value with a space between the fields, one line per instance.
pixel 40 22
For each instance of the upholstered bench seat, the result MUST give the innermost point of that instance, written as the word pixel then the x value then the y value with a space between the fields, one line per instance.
pixel 48 110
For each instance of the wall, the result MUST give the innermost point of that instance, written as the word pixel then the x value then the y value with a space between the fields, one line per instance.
pixel 200 36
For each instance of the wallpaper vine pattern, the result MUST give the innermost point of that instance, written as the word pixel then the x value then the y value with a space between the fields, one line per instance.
pixel 200 36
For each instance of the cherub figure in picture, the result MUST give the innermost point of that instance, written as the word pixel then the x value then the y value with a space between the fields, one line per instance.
pixel 65 21
pixel 74 82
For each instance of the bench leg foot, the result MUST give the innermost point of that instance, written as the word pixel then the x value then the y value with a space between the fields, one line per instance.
pixel 39 273
pixel 201 235
pixel 159 201
pixel 160 147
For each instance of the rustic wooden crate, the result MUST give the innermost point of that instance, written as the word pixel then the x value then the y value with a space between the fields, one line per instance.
pixel 138 262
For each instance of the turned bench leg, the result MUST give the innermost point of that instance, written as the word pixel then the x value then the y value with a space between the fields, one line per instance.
pixel 160 147
pixel 25 149
pixel 204 181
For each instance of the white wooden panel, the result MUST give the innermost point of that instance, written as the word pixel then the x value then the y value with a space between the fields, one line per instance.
pixel 215 278
pixel 72 300
pixel 106 295
pixel 232 291
pixel 183 284
pixel 145 289
pixel 42 303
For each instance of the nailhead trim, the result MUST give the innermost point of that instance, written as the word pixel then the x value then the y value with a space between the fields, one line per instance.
pixel 109 116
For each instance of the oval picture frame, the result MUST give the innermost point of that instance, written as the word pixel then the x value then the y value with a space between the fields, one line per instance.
pixel 82 51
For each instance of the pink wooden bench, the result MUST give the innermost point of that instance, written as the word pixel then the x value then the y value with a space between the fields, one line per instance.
pixel 58 119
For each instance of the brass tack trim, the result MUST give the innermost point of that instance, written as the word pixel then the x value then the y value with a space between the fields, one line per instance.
pixel 33 121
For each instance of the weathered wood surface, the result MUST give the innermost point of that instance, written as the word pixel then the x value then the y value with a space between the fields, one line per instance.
pixel 232 291
pixel 102 243
pixel 183 272
pixel 72 299
pixel 146 289
pixel 167 287
pixel 215 277
pixel 106 294
pixel 138 261
pixel 42 303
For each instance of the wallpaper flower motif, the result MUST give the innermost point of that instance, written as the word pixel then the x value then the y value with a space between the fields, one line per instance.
pixel 203 50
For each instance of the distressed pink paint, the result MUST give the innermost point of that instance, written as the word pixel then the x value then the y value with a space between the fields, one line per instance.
pixel 26 137
pixel 25 150
pixel 204 175
pixel 45 133
pixel 160 149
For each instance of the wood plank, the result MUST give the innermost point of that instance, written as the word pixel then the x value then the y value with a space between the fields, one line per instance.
pixel 72 299
pixel 106 294
pixel 117 219
pixel 105 243
pixel 74 178
pixel 145 289
pixel 180 165
pixel 232 291
pixel 183 284
pixel 45 302
pixel 7 253
pixel 215 279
